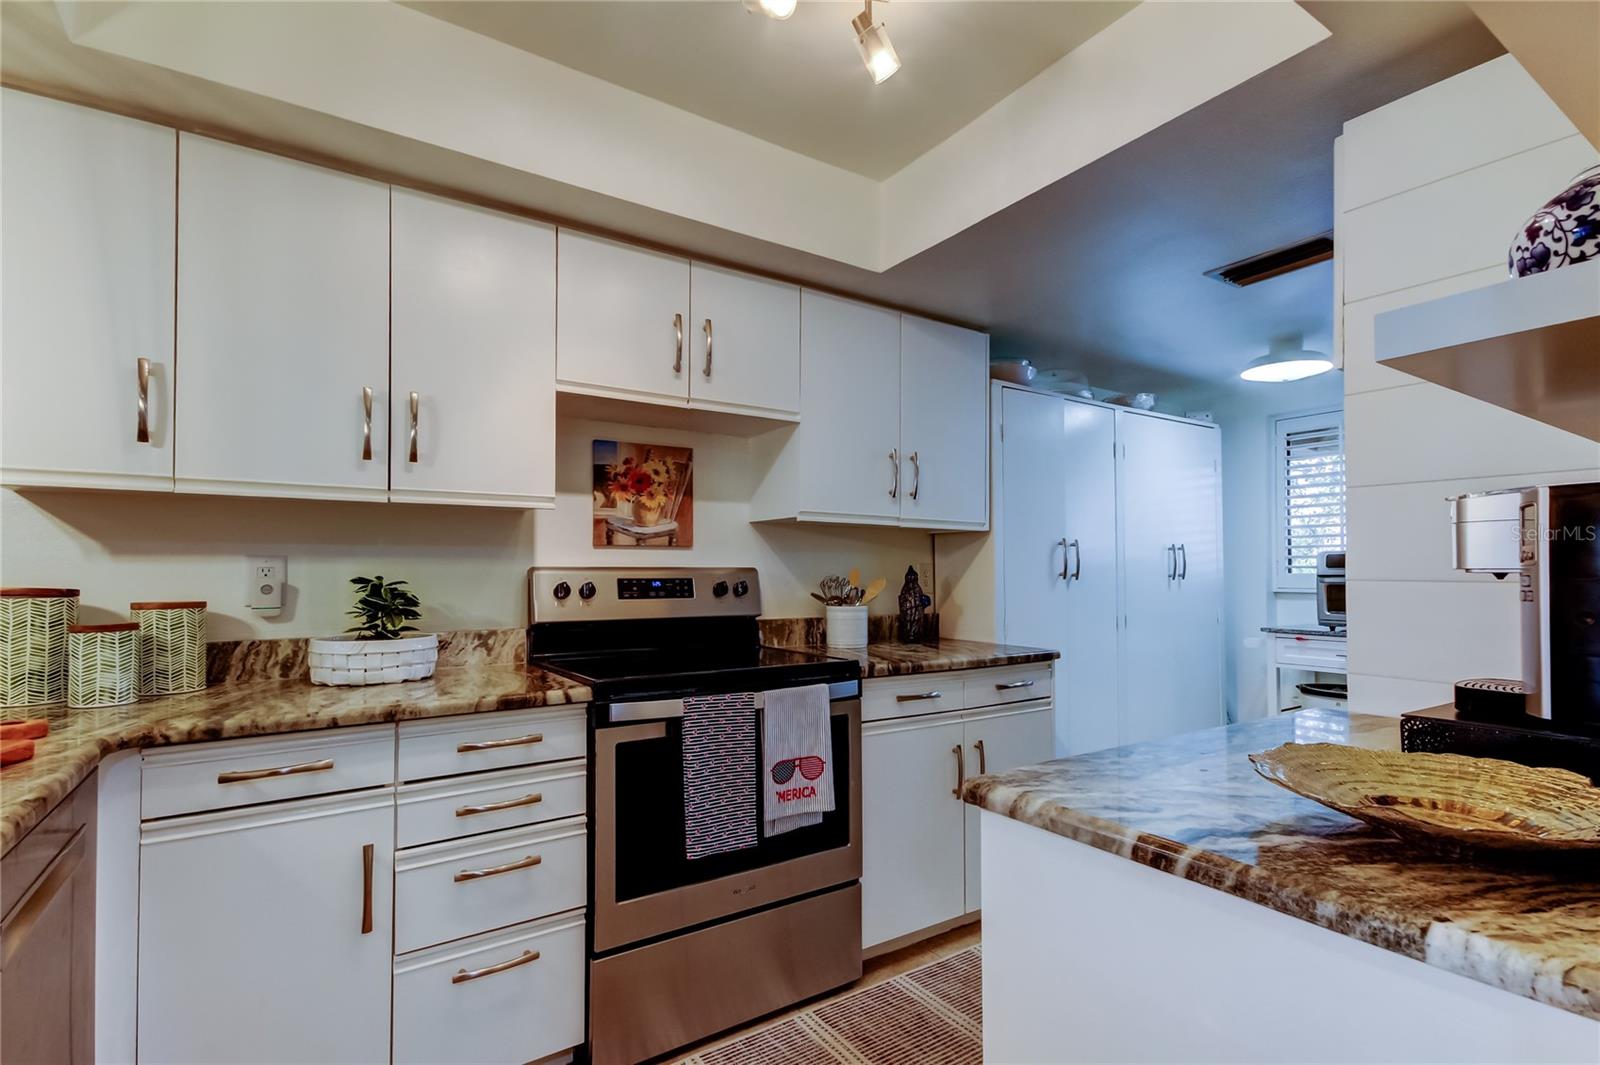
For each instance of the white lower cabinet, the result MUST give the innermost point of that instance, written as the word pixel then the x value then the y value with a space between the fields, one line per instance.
pixel 511 996
pixel 919 840
pixel 264 933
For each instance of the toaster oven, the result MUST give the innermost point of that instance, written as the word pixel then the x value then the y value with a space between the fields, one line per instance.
pixel 1330 589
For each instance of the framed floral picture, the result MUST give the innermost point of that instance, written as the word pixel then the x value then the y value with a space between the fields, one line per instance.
pixel 643 495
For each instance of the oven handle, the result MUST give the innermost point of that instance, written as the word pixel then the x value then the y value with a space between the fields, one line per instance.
pixel 658 709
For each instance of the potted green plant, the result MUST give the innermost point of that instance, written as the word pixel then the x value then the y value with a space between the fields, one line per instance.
pixel 380 651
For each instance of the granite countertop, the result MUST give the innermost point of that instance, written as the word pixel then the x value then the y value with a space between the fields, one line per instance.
pixel 1309 630
pixel 895 659
pixel 79 739
pixel 1193 806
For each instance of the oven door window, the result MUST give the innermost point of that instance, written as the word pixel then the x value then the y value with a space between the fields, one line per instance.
pixel 647 778
pixel 1333 597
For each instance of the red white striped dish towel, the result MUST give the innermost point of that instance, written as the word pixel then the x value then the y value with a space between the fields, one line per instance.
pixel 797 777
pixel 719 774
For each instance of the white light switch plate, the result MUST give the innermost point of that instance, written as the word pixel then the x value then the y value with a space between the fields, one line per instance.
pixel 267 578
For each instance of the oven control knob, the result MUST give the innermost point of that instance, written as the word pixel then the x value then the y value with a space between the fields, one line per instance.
pixel 561 591
pixel 741 588
pixel 586 591
pixel 719 589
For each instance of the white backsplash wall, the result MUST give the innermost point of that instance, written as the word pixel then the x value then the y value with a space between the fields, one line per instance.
pixel 467 563
pixel 1431 191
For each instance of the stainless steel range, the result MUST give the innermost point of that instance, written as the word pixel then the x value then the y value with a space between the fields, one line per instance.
pixel 683 948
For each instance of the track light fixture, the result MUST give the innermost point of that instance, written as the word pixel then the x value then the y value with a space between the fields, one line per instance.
pixel 872 40
pixel 778 9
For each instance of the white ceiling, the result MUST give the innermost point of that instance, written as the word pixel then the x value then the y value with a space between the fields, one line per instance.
pixel 800 83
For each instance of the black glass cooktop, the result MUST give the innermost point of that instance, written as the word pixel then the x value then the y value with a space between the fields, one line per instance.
pixel 670 672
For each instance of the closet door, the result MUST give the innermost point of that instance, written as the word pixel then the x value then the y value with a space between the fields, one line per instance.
pixel 474 335
pixel 283 326
pixel 1087 688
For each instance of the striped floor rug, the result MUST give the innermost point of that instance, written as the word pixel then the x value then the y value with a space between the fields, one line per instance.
pixel 927 1016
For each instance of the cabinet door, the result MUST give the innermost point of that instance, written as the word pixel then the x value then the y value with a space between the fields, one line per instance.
pixel 912 865
pixel 265 934
pixel 622 320
pixel 1032 498
pixel 88 200
pixel 1199 621
pixel 473 340
pixel 283 322
pixel 944 425
pixel 996 743
pixel 1087 689
pixel 849 462
pixel 746 343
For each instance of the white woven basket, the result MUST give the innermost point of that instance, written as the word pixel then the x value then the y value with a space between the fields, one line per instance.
pixel 373 661
pixel 33 644
pixel 172 647
pixel 102 665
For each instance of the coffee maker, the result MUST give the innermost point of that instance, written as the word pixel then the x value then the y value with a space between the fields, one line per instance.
pixel 1547 539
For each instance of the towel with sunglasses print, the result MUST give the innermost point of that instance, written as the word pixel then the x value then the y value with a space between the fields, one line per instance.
pixel 797 741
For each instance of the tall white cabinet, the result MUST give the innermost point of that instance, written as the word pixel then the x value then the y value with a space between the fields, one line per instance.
pixel 86 354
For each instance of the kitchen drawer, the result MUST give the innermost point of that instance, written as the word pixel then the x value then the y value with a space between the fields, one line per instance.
pixel 925 693
pixel 213 776
pixel 484 802
pixel 465 1003
pixel 442 747
pixel 451 890
pixel 1011 684
pixel 1329 655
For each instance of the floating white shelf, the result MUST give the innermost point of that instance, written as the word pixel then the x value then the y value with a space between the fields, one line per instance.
pixel 1529 344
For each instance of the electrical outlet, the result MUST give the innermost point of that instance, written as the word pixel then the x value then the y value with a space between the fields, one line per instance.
pixel 267 578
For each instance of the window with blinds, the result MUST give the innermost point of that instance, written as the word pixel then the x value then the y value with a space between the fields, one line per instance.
pixel 1310 487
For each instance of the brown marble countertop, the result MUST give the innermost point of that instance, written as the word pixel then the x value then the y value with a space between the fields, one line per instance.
pixel 1193 806
pixel 894 659
pixel 79 739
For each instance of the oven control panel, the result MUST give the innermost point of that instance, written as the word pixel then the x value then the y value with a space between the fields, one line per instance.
pixel 655 587
pixel 618 594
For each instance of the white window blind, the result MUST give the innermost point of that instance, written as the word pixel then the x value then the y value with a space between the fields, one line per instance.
pixel 1311 498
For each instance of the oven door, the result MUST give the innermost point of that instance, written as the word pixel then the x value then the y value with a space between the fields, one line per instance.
pixel 645 886
pixel 1330 601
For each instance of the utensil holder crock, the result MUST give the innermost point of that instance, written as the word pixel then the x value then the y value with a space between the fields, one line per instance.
pixel 846 626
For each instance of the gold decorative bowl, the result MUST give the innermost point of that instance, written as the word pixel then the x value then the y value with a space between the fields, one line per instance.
pixel 1444 800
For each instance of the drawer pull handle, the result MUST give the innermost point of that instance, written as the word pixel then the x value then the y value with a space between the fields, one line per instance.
pixel 463 975
pixel 366 889
pixel 237 775
pixel 490 745
pixel 918 697
pixel 491 807
pixel 1013 685
pixel 510 867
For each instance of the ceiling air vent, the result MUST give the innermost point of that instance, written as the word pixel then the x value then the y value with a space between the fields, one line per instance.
pixel 1318 249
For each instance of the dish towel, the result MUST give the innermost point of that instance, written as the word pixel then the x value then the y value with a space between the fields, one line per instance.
pixel 719 774
pixel 797 779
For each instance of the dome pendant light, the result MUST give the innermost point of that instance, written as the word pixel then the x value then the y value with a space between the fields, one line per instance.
pixel 1287 360
pixel 872 40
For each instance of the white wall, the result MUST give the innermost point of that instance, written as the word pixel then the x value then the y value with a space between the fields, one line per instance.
pixel 1431 189
pixel 468 564
pixel 1244 416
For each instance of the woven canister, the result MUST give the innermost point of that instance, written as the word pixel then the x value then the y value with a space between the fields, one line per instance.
pixel 172 646
pixel 102 665
pixel 33 644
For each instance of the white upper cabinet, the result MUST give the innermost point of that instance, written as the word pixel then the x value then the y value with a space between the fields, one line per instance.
pixel 473 356
pixel 944 425
pixel 746 344
pixel 622 321
pixel 88 201
pixel 283 326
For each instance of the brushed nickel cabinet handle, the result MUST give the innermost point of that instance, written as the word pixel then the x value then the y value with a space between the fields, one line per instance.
pixel 1077 559
pixel 916 476
pixel 1172 562
pixel 1066 571
pixel 25 916
pixel 918 696
pixel 463 975
pixel 1013 685
pixel 141 435
pixel 708 347
pixel 983 757
pixel 490 745
pixel 510 867
pixel 961 769
pixel 894 460
pixel 677 327
pixel 1183 553
pixel 237 775
pixel 366 889
pixel 492 807
pixel 412 457
pixel 366 424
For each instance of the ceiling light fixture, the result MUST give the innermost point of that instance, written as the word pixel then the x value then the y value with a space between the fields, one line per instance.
pixel 1287 360
pixel 872 39
pixel 778 9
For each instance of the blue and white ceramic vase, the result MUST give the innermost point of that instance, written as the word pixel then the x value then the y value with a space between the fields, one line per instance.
pixel 1562 232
